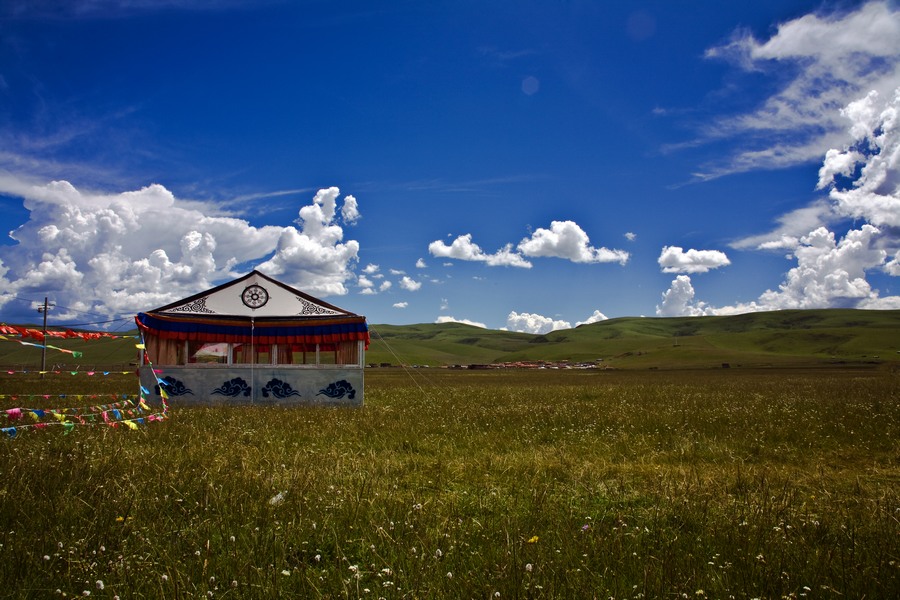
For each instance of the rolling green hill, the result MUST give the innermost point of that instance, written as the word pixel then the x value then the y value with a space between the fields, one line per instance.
pixel 783 338
pixel 794 337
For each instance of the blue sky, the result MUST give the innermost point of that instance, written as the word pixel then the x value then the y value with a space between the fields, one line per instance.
pixel 521 165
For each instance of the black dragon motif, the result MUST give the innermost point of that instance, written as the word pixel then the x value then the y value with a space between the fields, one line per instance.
pixel 233 388
pixel 173 387
pixel 338 389
pixel 279 389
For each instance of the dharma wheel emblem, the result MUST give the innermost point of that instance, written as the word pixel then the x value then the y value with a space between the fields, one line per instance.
pixel 255 296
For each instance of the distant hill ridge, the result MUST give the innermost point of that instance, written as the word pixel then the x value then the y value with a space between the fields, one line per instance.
pixel 782 338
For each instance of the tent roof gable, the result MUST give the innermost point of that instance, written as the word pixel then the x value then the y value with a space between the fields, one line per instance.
pixel 253 295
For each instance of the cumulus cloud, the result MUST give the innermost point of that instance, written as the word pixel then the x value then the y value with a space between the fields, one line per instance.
pixel 838 57
pixel 409 284
pixel 630 236
pixel 830 273
pixel 420 264
pixel 118 253
pixel 447 319
pixel 596 317
pixel 565 239
pixel 315 257
pixel 893 267
pixel 874 195
pixel 678 300
pixel 864 185
pixel 400 304
pixel 674 259
pixel 534 323
pixel 350 211
pixel 791 227
pixel 463 248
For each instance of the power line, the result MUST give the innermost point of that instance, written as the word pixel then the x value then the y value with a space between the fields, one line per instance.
pixel 100 322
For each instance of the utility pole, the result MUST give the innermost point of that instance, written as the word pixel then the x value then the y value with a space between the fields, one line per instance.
pixel 43 309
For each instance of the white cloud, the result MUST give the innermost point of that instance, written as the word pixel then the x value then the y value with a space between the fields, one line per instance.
pixel 565 239
pixel 673 259
pixel 370 269
pixel 364 282
pixel 350 210
pixel 864 184
pixel 791 227
pixel 630 236
pixel 596 317
pixel 463 248
pixel 400 304
pixel 829 274
pixel 678 300
pixel 409 284
pixel 506 257
pixel 115 254
pixel 420 264
pixel 385 286
pixel 886 303
pixel 893 267
pixel 314 258
pixel 875 194
pixel 834 58
pixel 446 319
pixel 534 323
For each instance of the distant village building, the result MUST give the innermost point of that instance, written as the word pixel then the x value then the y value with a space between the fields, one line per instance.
pixel 254 340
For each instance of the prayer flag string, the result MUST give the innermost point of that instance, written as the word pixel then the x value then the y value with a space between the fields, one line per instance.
pixel 60 372
pixel 75 353
pixel 129 410
pixel 38 335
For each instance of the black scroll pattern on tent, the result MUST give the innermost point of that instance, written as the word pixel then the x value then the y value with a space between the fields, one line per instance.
pixel 338 390
pixel 234 388
pixel 197 306
pixel 280 389
pixel 173 387
pixel 310 308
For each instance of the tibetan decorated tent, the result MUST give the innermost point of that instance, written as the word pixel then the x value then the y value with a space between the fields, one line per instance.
pixel 255 340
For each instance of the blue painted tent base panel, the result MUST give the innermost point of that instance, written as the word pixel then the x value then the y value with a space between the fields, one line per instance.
pixel 260 385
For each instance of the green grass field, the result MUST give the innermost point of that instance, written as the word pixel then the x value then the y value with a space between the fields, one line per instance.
pixel 784 338
pixel 513 484
pixel 790 338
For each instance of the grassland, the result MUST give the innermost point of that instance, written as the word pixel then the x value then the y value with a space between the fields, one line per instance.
pixel 541 484
pixel 783 338
pixel 775 339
